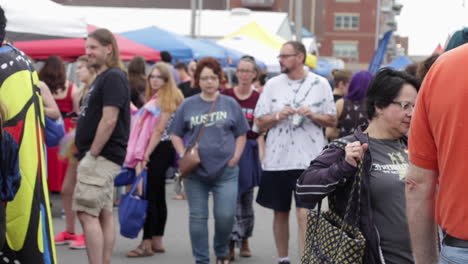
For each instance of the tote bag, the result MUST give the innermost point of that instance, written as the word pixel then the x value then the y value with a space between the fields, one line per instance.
pixel 132 209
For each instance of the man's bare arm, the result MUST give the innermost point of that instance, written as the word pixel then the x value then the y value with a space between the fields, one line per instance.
pixel 420 206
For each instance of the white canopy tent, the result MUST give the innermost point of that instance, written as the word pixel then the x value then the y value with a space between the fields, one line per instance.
pixel 43 17
pixel 254 48
pixel 213 24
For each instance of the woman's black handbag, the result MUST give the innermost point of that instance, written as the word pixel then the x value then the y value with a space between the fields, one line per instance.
pixel 330 239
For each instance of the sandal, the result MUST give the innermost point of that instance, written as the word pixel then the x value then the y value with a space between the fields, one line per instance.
pixel 140 252
pixel 158 250
pixel 222 260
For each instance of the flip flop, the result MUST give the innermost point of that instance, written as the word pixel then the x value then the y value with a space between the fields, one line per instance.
pixel 140 252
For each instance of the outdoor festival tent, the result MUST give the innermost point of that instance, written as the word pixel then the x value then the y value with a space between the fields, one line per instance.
pixel 233 55
pixel 162 40
pixel 71 48
pixel 181 48
pixel 257 32
pixel 258 50
pixel 42 18
pixel 399 63
pixel 211 24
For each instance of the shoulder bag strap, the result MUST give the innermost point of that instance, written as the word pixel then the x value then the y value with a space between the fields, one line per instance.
pixel 202 129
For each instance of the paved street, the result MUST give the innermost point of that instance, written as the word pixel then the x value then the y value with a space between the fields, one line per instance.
pixel 176 238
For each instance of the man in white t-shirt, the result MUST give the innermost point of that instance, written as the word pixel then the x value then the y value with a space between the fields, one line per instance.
pixel 294 107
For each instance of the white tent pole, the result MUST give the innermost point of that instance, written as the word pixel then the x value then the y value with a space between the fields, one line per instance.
pixel 193 4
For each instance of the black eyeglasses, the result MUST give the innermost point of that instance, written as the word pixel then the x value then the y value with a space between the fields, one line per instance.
pixel 283 56
pixel 406 106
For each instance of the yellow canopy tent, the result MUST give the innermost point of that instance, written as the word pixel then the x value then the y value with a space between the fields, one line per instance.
pixel 255 31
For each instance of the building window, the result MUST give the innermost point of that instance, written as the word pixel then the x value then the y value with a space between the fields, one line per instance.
pixel 347 21
pixel 346 49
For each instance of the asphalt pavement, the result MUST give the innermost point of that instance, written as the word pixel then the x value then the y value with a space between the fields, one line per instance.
pixel 176 238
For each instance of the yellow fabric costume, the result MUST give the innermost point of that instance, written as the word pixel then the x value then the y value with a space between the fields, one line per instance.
pixel 29 237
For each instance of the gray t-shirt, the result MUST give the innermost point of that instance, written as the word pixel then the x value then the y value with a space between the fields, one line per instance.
pixel 389 166
pixel 217 144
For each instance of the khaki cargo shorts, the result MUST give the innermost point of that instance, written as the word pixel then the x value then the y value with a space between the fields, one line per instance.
pixel 94 188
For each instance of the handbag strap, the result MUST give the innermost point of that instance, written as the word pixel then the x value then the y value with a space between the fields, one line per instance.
pixel 202 129
pixel 140 177
pixel 356 186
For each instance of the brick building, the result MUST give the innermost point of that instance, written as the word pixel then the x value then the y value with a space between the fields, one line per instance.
pixel 350 29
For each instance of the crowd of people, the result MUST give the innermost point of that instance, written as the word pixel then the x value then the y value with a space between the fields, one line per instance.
pixel 272 134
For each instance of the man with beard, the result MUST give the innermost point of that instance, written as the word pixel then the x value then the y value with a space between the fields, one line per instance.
pixel 294 107
pixel 101 139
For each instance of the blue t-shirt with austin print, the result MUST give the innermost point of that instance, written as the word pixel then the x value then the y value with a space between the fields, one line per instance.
pixel 217 144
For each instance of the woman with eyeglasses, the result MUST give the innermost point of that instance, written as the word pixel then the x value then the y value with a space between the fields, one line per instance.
pixel 250 167
pixel 220 147
pixel 381 147
pixel 150 147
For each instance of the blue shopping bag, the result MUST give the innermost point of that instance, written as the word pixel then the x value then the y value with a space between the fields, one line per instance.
pixel 54 131
pixel 132 209
pixel 125 177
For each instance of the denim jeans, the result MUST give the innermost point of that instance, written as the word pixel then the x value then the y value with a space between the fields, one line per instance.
pixel 224 190
pixel 453 255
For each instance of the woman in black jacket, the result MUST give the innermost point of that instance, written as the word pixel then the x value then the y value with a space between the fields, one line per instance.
pixel 382 149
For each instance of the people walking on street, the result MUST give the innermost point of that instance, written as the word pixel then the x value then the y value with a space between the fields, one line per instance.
pixel 351 110
pixel 150 147
pixel 436 182
pixel 250 167
pixel 294 107
pixel 66 95
pixel 341 79
pixel 381 147
pixel 85 74
pixel 137 80
pixel 101 139
pixel 220 148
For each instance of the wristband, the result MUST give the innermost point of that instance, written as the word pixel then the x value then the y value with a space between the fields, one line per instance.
pixel 277 117
pixel 92 155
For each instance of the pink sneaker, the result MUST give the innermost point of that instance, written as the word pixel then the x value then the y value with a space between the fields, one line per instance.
pixel 64 238
pixel 79 243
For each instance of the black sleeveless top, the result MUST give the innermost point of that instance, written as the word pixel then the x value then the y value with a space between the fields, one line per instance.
pixel 353 115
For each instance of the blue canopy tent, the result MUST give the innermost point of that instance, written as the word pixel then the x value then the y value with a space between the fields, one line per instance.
pixel 324 68
pixel 399 63
pixel 159 39
pixel 233 56
pixel 181 48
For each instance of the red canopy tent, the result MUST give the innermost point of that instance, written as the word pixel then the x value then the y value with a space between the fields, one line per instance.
pixel 71 48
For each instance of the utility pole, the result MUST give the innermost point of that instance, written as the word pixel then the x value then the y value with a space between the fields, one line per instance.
pixel 199 16
pixel 298 20
pixel 291 9
pixel 377 25
pixel 193 4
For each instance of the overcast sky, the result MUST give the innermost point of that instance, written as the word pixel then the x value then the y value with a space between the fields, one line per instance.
pixel 428 22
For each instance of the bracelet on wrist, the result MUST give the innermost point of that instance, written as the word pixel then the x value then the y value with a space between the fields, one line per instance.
pixel 277 116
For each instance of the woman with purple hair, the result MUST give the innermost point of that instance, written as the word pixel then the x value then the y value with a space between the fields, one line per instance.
pixel 351 110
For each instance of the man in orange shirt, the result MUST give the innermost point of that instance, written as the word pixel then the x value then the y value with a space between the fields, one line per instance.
pixel 438 146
